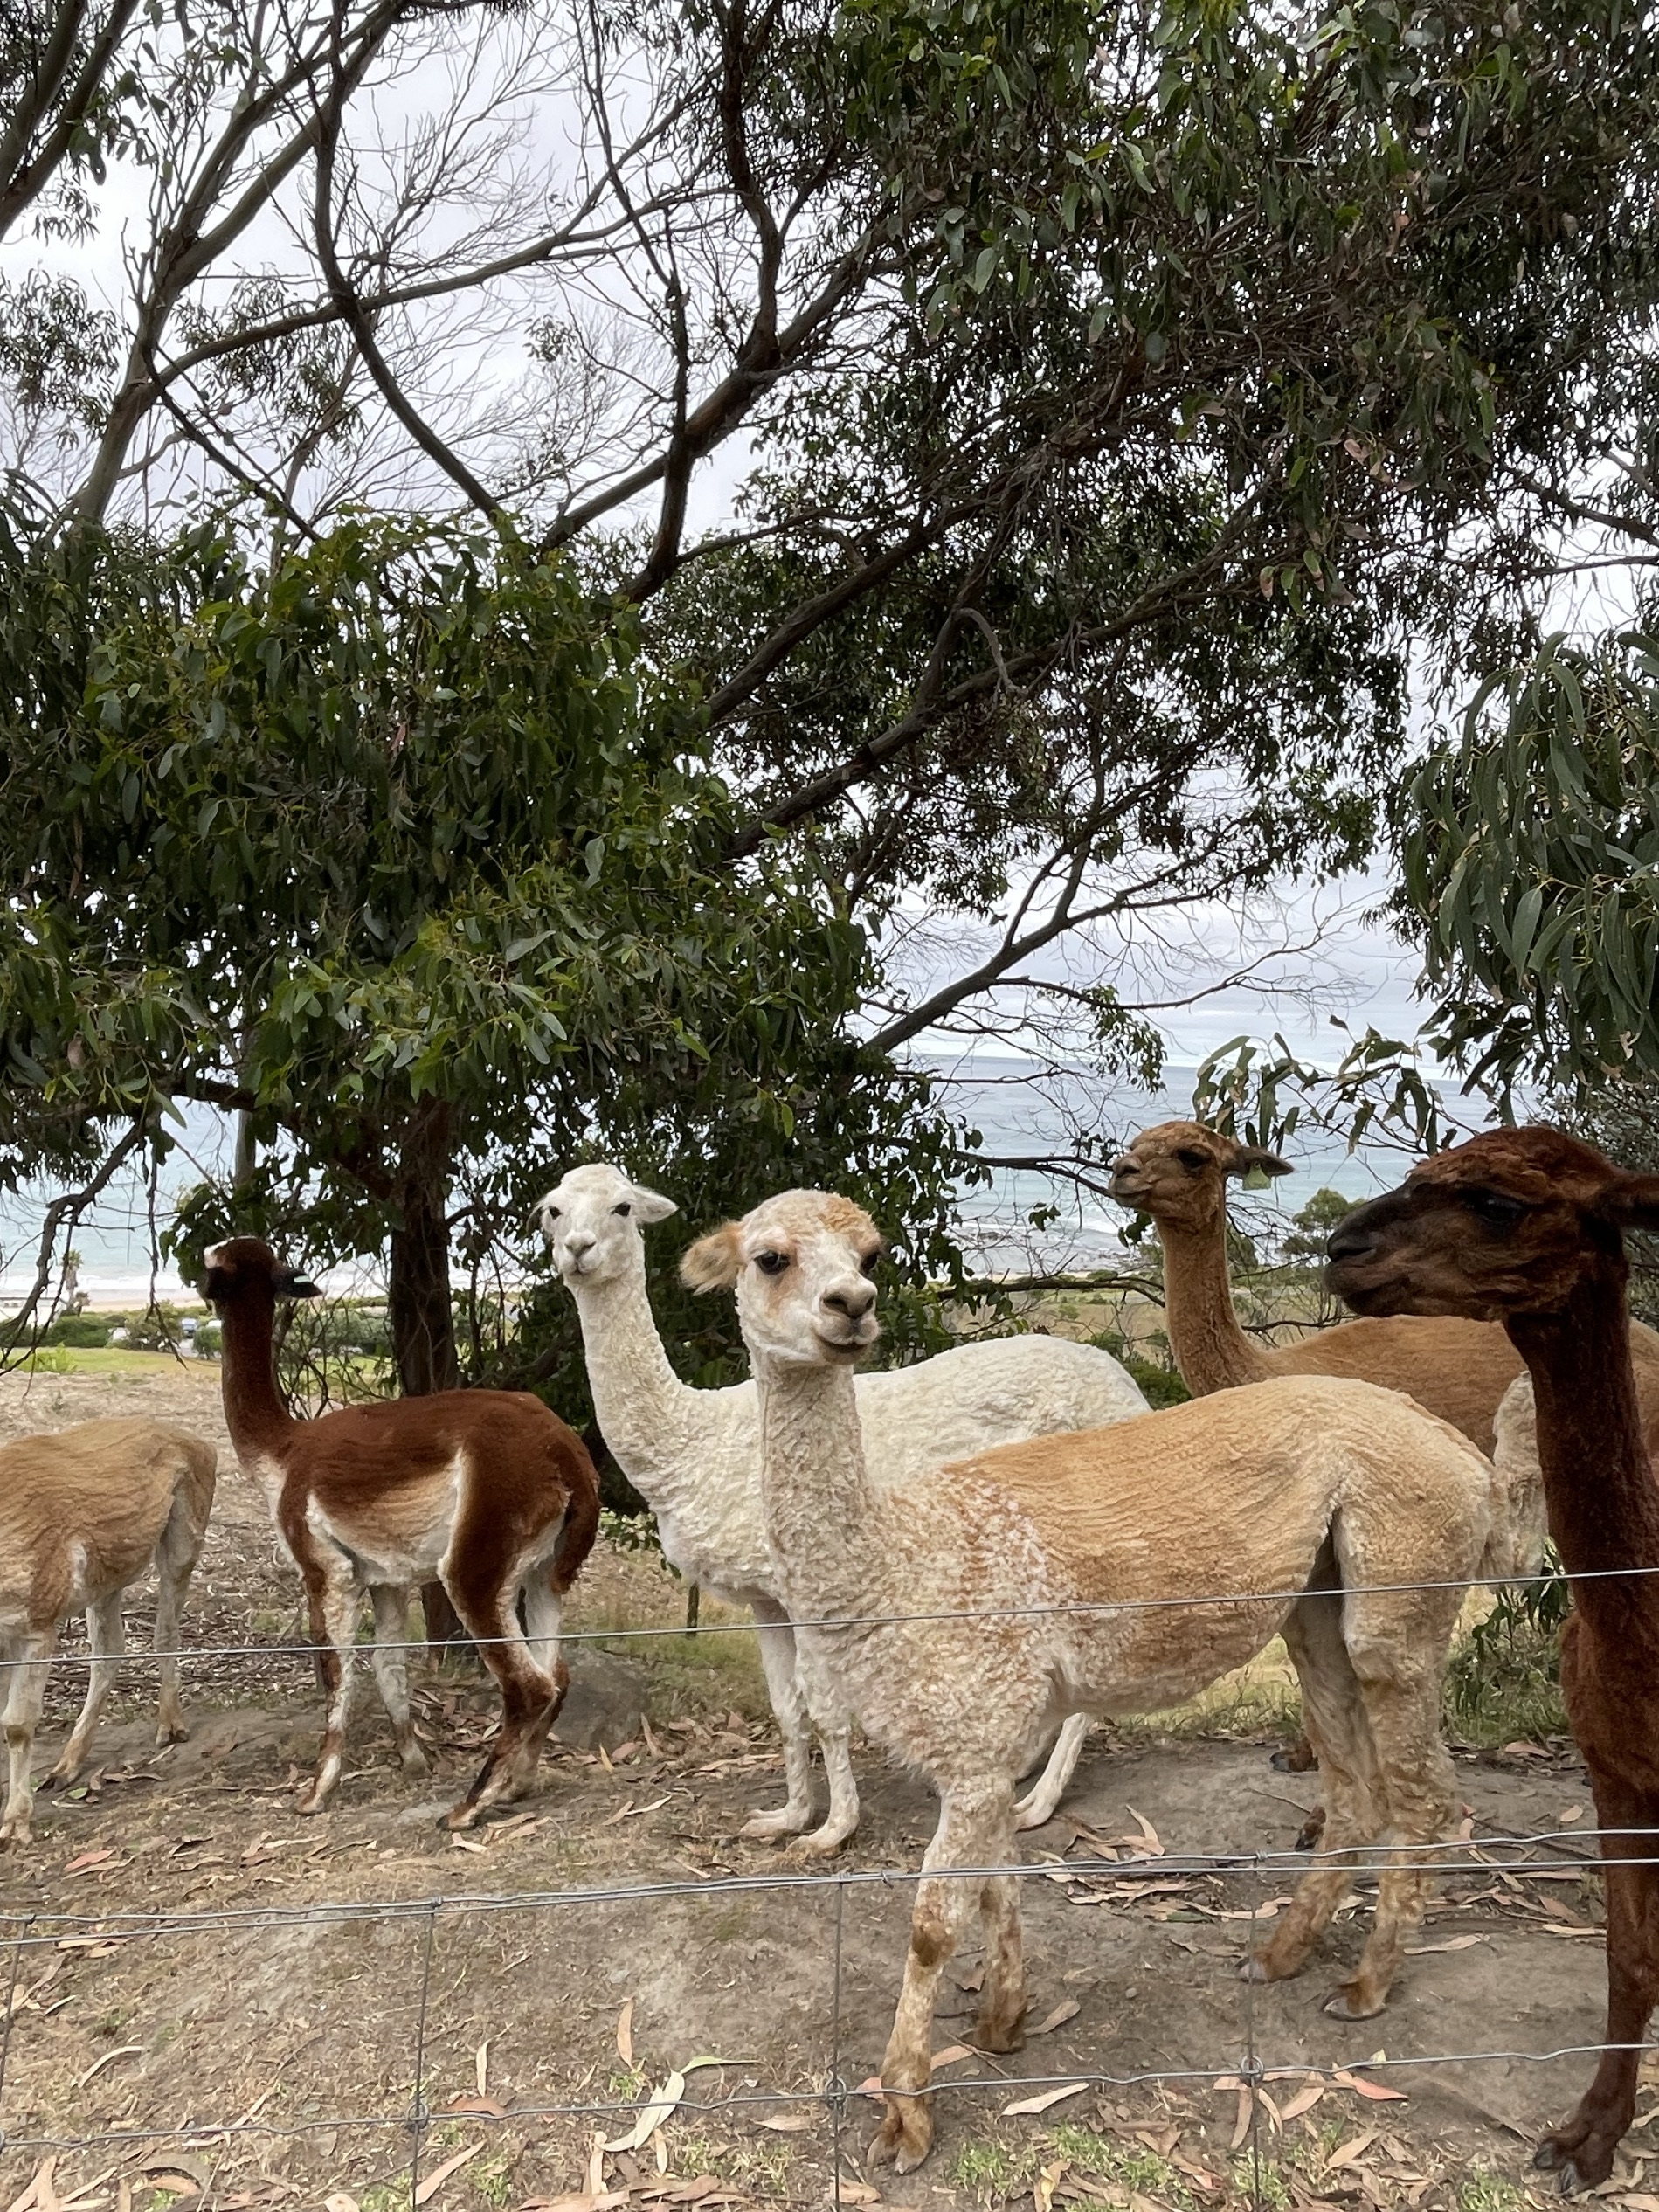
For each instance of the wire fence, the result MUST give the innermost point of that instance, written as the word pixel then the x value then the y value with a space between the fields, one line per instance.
pixel 1247 2069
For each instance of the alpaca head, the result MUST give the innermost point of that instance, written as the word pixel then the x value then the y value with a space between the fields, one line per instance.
pixel 1177 1172
pixel 245 1267
pixel 1509 1223
pixel 801 1264
pixel 591 1222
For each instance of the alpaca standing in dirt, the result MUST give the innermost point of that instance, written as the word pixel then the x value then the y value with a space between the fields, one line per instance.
pixel 485 1490
pixel 1529 1224
pixel 1464 1371
pixel 693 1455
pixel 82 1514
pixel 1330 1487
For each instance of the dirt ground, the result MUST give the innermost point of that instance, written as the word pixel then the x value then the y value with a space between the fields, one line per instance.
pixel 215 2003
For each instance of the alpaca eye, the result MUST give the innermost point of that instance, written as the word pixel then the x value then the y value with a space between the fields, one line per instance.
pixel 552 1212
pixel 624 1208
pixel 867 1265
pixel 771 1262
pixel 1193 1161
pixel 1491 1206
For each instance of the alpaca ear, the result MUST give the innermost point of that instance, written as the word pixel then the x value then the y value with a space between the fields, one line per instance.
pixel 714 1262
pixel 1255 1163
pixel 651 1205
pixel 1631 1203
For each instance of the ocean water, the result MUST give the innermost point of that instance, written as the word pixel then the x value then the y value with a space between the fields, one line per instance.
pixel 1017 1116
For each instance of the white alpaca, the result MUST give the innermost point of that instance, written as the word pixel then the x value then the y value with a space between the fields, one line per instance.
pixel 1313 1484
pixel 693 1455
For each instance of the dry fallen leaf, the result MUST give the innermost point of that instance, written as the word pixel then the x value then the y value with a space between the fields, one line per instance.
pixel 487 2107
pixel 1375 2091
pixel 340 2202
pixel 663 2102
pixel 1304 2101
pixel 435 2180
pixel 624 2032
pixel 127 2050
pixel 1568 1813
pixel 591 2201
pixel 1153 1848
pixel 788 2123
pixel 1349 2153
pixel 1246 2112
pixel 858 2191
pixel 87 1860
pixel 948 2055
pixel 1452 1942
pixel 1067 2010
pixel 1025 2105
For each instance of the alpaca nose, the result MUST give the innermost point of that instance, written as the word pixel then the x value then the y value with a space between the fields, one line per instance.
pixel 579 1243
pixel 854 1299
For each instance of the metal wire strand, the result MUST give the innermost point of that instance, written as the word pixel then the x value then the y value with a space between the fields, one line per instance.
pixel 1080 1609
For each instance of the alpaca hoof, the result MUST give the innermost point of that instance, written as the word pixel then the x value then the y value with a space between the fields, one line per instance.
pixel 1345 2004
pixel 1030 1815
pixel 17 1832
pixel 822 1842
pixel 170 1731
pixel 461 1816
pixel 903 2139
pixel 1312 1829
pixel 1254 1969
pixel 1000 2036
pixel 766 1828
pixel 414 1761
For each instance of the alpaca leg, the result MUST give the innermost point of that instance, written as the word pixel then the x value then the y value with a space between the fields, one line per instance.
pixel 530 1698
pixel 1582 2150
pixel 176 1557
pixel 26 1688
pixel 390 1602
pixel 1399 1680
pixel 1334 1715
pixel 969 1829
pixel 783 1687
pixel 107 1638
pixel 834 1728
pixel 1002 2000
pixel 334 1610
pixel 543 1621
pixel 1040 1804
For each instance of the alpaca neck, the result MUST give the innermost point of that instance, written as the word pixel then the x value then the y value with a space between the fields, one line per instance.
pixel 824 1519
pixel 1211 1350
pixel 649 1418
pixel 261 1425
pixel 1598 1478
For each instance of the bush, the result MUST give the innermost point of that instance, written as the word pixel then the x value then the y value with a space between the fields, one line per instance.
pixel 1160 1385
pixel 80 1332
pixel 1505 1679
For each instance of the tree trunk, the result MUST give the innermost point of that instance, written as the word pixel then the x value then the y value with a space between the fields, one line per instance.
pixel 418 1311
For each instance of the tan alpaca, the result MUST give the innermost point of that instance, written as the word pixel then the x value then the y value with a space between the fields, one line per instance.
pixel 1463 1371
pixel 1329 1484
pixel 82 1514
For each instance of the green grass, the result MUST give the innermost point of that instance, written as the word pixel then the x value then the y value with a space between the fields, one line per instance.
pixel 110 1359
pixel 1489 2193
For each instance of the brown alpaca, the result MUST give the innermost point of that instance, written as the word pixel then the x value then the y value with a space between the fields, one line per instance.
pixel 1527 1225
pixel 485 1490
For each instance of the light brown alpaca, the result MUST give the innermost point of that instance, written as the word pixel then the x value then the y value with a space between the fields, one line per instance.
pixel 1463 1371
pixel 82 1514
pixel 1528 1224
pixel 1329 1485
pixel 1177 1172
pixel 485 1490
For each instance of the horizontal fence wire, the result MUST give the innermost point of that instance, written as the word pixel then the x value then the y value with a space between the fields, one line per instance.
pixel 1058 1609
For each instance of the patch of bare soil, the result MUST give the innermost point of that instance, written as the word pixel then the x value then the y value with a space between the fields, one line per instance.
pixel 216 2005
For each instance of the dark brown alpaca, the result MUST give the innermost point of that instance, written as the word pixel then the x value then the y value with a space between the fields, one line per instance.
pixel 1527 1225
pixel 486 1491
